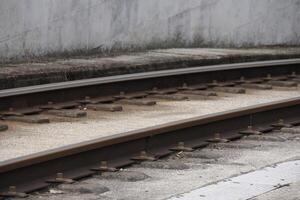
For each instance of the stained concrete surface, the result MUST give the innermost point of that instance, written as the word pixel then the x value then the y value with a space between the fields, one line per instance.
pixel 33 27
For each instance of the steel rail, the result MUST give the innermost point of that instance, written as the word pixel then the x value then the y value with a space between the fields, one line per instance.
pixel 139 76
pixel 31 172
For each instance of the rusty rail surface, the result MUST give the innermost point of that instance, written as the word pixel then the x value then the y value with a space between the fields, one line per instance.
pixel 32 172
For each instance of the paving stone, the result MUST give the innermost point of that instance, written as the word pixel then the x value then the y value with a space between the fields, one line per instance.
pixel 68 113
pixel 102 100
pixel 295 130
pixel 257 86
pixel 202 154
pixel 83 188
pixel 199 87
pixel 3 127
pixel 30 111
pixel 129 176
pixel 135 95
pixel 138 102
pixel 21 112
pixel 37 119
pixel 10 113
pixel 296 80
pixel 200 92
pixel 234 90
pixel 283 83
pixel 177 165
pixel 227 84
pixel 104 107
pixel 255 80
pixel 169 97
pixel 59 106
pixel 166 91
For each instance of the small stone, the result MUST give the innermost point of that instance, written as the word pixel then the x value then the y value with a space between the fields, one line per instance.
pixel 129 176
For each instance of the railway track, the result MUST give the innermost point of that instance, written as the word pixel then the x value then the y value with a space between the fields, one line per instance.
pixel 67 164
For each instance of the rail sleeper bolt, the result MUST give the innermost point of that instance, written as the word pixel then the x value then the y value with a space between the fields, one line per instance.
pixel 280 124
pixel 12 192
pixel 86 100
pixel 213 84
pixel 293 75
pixel 250 131
pixel 268 78
pixel 61 179
pixel 181 147
pixel 217 139
pixel 153 91
pixel 104 167
pixel 185 86
pixel 143 157
pixel 121 95
pixel 241 80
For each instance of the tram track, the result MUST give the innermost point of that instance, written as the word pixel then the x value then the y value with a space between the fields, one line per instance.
pixel 29 173
pixel 131 83
pixel 73 162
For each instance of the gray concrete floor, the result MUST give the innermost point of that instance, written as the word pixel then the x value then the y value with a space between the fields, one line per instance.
pixel 185 172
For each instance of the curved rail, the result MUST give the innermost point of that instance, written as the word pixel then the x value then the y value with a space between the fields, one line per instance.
pixel 139 76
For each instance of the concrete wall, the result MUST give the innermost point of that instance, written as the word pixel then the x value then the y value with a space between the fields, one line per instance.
pixel 40 27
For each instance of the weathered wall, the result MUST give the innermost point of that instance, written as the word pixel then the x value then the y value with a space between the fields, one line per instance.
pixel 39 27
